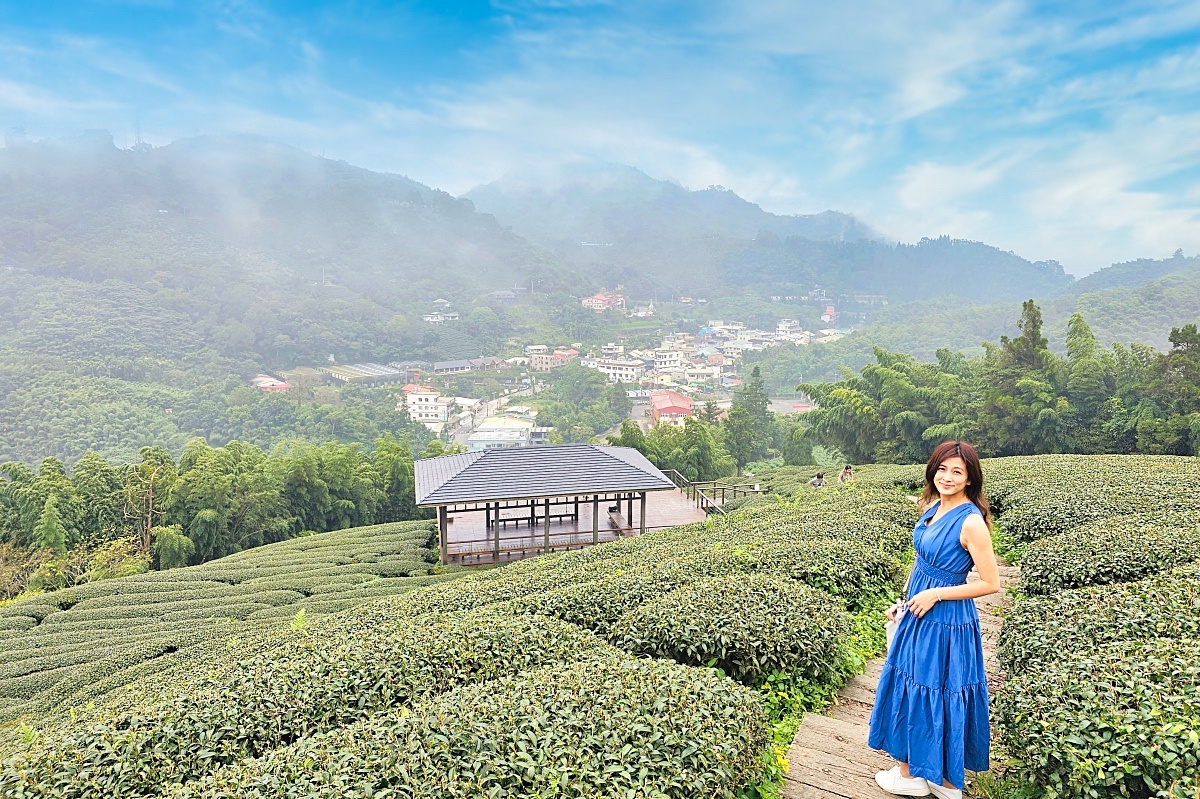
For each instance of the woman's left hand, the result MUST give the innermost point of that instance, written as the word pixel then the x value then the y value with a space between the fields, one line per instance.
pixel 922 602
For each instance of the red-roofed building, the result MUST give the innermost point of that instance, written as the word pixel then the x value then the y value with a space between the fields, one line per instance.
pixel 411 387
pixel 549 361
pixel 669 407
pixel 602 301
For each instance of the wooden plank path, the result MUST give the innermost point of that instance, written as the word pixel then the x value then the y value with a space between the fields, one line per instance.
pixel 829 758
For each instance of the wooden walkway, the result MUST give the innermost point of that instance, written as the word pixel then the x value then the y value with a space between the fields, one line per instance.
pixel 829 758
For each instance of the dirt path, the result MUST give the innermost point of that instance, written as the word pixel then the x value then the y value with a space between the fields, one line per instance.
pixel 829 758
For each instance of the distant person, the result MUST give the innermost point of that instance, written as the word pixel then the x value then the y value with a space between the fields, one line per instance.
pixel 818 481
pixel 931 704
pixel 847 474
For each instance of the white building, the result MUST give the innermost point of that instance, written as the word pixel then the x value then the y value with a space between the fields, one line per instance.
pixel 619 370
pixel 429 408
pixel 667 359
pixel 501 432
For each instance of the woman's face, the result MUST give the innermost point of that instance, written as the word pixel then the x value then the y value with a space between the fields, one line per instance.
pixel 951 477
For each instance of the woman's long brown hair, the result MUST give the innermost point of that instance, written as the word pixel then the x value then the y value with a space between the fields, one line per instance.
pixel 974 490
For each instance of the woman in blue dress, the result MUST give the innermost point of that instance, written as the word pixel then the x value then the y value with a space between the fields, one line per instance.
pixel 931 705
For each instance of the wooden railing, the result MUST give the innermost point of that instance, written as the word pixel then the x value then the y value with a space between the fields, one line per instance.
pixel 711 495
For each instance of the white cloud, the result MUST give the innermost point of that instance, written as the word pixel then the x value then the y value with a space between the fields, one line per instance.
pixel 1034 130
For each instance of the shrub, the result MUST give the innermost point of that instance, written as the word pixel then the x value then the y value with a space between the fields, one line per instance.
pixel 1042 496
pixel 1118 549
pixel 614 727
pixel 1114 721
pixel 1043 628
pixel 146 615
pixel 338 673
pixel 749 626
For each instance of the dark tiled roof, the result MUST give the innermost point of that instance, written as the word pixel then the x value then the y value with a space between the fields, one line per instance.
pixel 525 472
pixel 440 365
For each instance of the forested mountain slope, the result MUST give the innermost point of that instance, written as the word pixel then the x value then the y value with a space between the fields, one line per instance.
pixel 211 211
pixel 1144 313
pixel 140 288
pixel 624 226
pixel 901 272
pixel 601 202
pixel 1134 273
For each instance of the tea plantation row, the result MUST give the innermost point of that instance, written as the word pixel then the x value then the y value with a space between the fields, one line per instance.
pixel 1102 645
pixel 580 674
pixel 73 645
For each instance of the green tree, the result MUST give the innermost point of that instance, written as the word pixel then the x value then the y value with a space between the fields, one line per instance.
pixel 393 462
pixel 171 548
pixel 748 425
pixel 49 532
pixel 147 490
pixel 100 490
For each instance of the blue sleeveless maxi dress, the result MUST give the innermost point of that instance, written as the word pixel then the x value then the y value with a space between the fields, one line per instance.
pixel 931 705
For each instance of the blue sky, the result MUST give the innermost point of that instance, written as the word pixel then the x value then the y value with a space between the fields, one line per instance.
pixel 1057 130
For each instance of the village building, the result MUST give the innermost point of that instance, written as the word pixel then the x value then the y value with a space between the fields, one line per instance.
pixel 603 301
pixel 503 432
pixel 549 361
pixel 486 363
pixel 667 359
pixel 411 370
pixel 619 370
pixel 363 374
pixel 669 407
pixel 428 407
pixel 269 384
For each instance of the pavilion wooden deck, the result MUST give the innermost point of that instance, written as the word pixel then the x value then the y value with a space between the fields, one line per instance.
pixel 470 541
pixel 829 758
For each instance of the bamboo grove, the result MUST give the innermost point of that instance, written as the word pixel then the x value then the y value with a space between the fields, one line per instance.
pixel 1018 398
pixel 102 520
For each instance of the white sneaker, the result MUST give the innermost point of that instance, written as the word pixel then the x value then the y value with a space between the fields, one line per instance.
pixel 892 782
pixel 942 792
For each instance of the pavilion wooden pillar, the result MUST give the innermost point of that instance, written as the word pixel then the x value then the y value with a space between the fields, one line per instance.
pixel 629 511
pixel 487 519
pixel 546 529
pixel 595 519
pixel 496 539
pixel 443 533
pixel 642 514
pixel 576 509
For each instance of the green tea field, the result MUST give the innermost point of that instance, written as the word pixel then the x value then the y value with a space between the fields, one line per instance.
pixel 673 664
pixel 71 646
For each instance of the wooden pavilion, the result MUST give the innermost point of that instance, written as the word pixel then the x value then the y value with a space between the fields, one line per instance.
pixel 539 487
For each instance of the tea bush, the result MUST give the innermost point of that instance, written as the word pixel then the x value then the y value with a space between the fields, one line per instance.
pixel 609 727
pixel 284 688
pixel 746 626
pixel 1042 496
pixel 1109 721
pixel 1042 628
pixel 334 675
pixel 59 646
pixel 1117 549
pixel 1103 696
